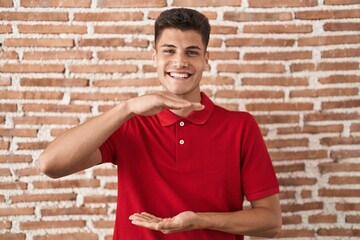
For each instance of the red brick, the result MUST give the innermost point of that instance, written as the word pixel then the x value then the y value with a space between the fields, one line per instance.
pixel 343 180
pixel 206 3
pixel 124 55
pixel 32 107
pixel 324 66
pixel 5 225
pixel 131 3
pixel 49 55
pixel 258 42
pixel 343 154
pixel 306 194
pixel 34 16
pixel 6 29
pixel 296 207
pixel 15 159
pixel 209 14
pixel 334 79
pixel 4 145
pixel 103 68
pixel 299 155
pixel 8 107
pixel 31 95
pixel 43 197
pixel 100 199
pixel 73 211
pixel 134 29
pixel 330 141
pixel 111 186
pixel 280 143
pixel 17 211
pixel 276 119
pixel 290 168
pixel 340 104
pixel 297 181
pixel 104 42
pixel 26 172
pixel 352 219
pixel 279 29
pixel 282 3
pixel 348 207
pixel 341 53
pixel 46 120
pixel 328 40
pixel 32 68
pixel 338 232
pixel 108 16
pixel 275 81
pixel 251 68
pixel 315 93
pixel 296 233
pixel 33 225
pixel 52 29
pixel 339 193
pixel 279 106
pixel 355 127
pixel 6 3
pixel 56 3
pixel 277 55
pixel 320 218
pixel 257 16
pixel 104 224
pixel 248 94
pixel 216 29
pixel 32 145
pixel 84 183
pixel 12 236
pixel 338 167
pixel 224 55
pixel 126 82
pixel 331 116
pixel 39 42
pixel 337 27
pixel 15 132
pixel 72 236
pixel 54 82
pixel 8 55
pixel 327 14
pixel 341 2
pixel 102 96
pixel 5 172
pixel 290 220
pixel 5 81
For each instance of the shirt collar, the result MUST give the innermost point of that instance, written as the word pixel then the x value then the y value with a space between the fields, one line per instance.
pixel 168 118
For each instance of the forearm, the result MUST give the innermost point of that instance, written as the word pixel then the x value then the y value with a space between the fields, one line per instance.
pixel 77 148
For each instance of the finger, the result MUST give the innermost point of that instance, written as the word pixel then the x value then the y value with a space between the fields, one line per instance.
pixel 150 216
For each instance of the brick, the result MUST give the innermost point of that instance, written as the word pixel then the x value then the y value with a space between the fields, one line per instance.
pixel 334 79
pixel 290 220
pixel 340 104
pixel 279 106
pixel 54 82
pixel 103 224
pixel 16 132
pixel 355 127
pixel 24 198
pixel 282 3
pixel 125 55
pixel 8 55
pixel 331 117
pixel 276 119
pixel 73 211
pixel 56 3
pixel 224 55
pixel 348 207
pixel 15 159
pixel 297 181
pixel 211 15
pixel 257 16
pixel 34 16
pixel 341 53
pixel 279 143
pixel 5 81
pixel 72 236
pixel 314 93
pixel 206 3
pixel 297 207
pixel 102 96
pixel 258 42
pixel 324 66
pixel 331 141
pixel 4 145
pixel 337 27
pixel 275 81
pixel 328 40
pixel 33 225
pixel 103 42
pixel 251 68
pixel 338 232
pixel 111 186
pixel 134 29
pixel 103 68
pixel 6 29
pixel 32 68
pixel 39 42
pixel 8 107
pixel 138 82
pixel 343 180
pixel 218 80
pixel 248 94
pixel 339 193
pixel 298 155
pixel 108 16
pixel 352 219
pixel 32 107
pixel 18 211
pixel 296 233
pixel 52 29
pixel 45 120
pixel 12 236
pixel 320 218
pixel 277 55
pixel 32 145
pixel 56 132
pixel 5 225
pixel 84 183
pixel 6 3
pixel 5 172
pixel 290 168
pixel 31 95
pixel 100 199
pixel 327 14
pixel 343 154
pixel 338 167
pixel 26 172
pixel 223 30
pixel 131 3
pixel 341 2
pixel 278 29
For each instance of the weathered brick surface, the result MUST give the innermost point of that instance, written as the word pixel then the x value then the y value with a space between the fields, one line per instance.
pixel 293 64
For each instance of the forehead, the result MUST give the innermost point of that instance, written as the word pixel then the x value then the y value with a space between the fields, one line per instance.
pixel 180 39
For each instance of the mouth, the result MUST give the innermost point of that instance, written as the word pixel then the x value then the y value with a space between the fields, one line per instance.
pixel 179 75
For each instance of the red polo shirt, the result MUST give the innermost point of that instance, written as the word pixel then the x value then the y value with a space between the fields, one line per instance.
pixel 206 162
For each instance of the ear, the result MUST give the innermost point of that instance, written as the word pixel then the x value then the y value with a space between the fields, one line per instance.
pixel 153 57
pixel 207 66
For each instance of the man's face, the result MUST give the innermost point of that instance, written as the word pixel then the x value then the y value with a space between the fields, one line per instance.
pixel 180 59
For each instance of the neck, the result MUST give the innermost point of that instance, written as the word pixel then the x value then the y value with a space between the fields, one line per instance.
pixel 191 98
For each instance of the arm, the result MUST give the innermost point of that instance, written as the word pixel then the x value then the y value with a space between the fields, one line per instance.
pixel 78 148
pixel 262 220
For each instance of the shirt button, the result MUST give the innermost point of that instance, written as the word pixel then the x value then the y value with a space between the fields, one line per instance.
pixel 181 142
pixel 182 123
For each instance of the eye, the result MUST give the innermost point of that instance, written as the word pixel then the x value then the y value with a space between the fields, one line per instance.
pixel 169 51
pixel 192 53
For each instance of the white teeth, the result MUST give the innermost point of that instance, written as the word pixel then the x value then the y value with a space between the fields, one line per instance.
pixel 179 75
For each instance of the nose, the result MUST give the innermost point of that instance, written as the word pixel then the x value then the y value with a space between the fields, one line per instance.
pixel 180 61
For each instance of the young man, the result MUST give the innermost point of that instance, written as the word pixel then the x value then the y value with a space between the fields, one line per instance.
pixel 184 164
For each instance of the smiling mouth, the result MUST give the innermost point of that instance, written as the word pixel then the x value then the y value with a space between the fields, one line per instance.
pixel 176 75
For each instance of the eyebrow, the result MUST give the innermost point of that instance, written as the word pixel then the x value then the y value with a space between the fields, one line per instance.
pixel 173 46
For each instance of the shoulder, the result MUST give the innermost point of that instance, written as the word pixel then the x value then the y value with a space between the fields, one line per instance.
pixel 225 114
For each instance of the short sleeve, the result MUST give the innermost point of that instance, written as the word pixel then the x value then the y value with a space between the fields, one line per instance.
pixel 258 175
pixel 108 149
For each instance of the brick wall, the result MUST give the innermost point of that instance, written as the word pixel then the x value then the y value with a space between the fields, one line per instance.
pixel 293 64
